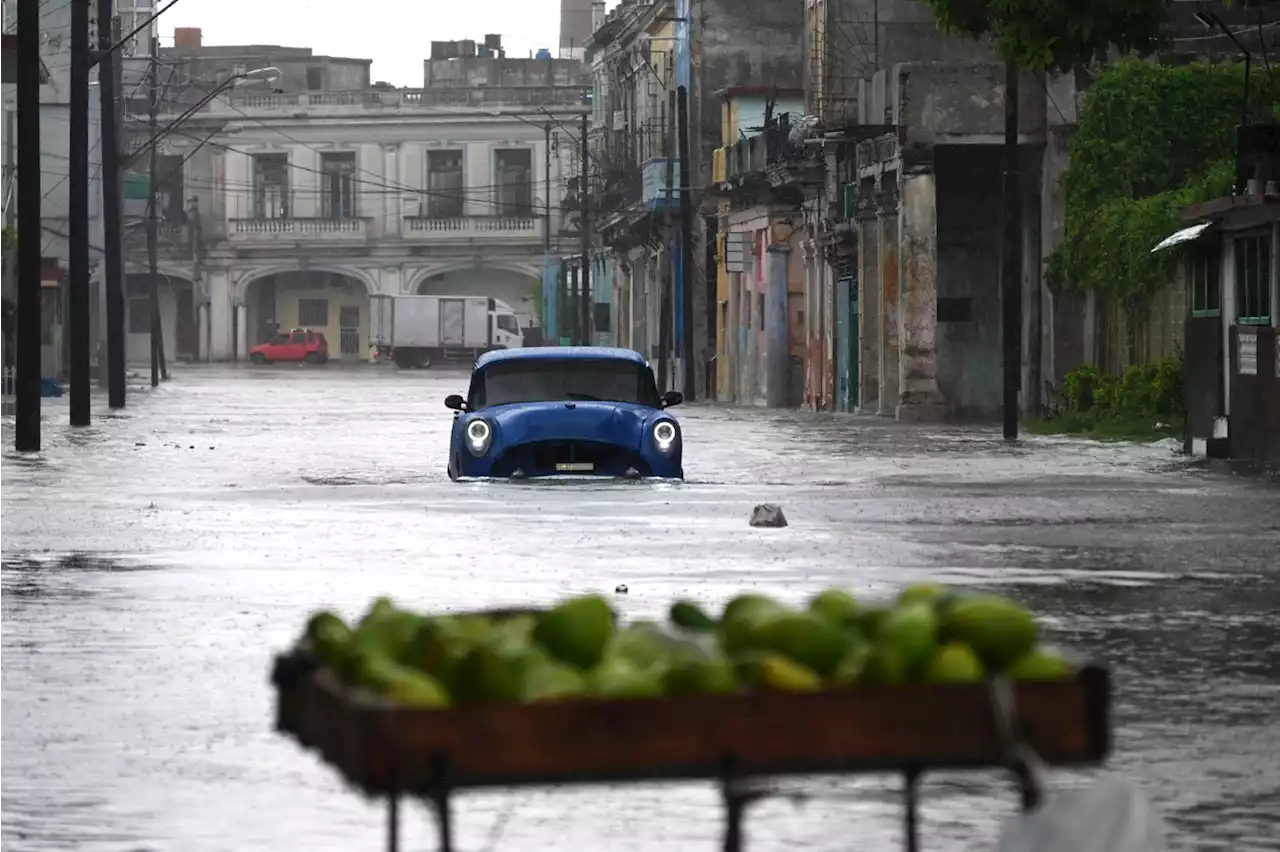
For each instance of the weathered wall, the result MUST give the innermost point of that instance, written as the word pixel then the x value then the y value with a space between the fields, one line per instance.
pixel 969 372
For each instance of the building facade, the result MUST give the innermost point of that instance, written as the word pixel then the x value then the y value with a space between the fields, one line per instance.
pixel 296 207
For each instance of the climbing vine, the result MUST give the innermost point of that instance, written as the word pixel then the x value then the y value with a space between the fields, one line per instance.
pixel 1152 139
pixel 10 240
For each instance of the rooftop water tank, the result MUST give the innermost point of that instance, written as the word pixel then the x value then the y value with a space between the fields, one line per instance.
pixel 543 53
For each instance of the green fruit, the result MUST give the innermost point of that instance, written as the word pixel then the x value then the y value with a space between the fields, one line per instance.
pixel 492 673
pixel 884 666
pixel 418 691
pixel 837 606
pixel 777 673
pixel 577 631
pixel 954 662
pixel 749 605
pixel 642 643
pixel 700 677
pixel 616 678
pixel 1041 664
pixel 691 617
pixel 871 619
pixel 379 608
pixel 925 592
pixel 328 634
pixel 995 627
pixel 743 618
pixel 553 681
pixel 912 631
pixel 850 670
pixel 809 639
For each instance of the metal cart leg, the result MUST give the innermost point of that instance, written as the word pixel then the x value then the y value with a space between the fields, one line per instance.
pixel 736 799
pixel 911 794
pixel 441 801
pixel 393 822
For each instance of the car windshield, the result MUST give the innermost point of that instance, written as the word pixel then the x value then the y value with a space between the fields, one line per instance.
pixel 563 379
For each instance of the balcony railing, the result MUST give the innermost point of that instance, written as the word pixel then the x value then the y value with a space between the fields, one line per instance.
pixel 472 227
pixel 297 230
pixel 771 146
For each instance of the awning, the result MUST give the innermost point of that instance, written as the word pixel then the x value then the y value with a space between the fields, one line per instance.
pixel 1186 235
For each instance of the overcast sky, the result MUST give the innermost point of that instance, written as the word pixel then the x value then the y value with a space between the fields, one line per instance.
pixel 395 34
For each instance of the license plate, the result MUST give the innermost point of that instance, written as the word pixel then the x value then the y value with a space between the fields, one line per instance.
pixel 575 467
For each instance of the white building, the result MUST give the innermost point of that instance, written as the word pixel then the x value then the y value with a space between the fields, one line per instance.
pixel 302 204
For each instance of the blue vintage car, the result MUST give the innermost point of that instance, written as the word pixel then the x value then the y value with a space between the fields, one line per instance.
pixel 564 411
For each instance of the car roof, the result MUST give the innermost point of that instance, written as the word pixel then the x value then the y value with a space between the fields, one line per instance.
pixel 561 353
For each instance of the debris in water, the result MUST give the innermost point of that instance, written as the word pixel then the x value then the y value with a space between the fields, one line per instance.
pixel 768 515
pixel 621 590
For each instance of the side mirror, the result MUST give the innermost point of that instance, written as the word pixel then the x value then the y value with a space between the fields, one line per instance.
pixel 456 402
pixel 671 398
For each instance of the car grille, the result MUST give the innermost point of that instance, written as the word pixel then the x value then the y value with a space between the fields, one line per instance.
pixel 542 457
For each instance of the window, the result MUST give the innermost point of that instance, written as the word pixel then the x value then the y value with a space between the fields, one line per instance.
pixel 270 186
pixel 507 323
pixel 140 315
pixel 444 184
pixel 760 312
pixel 1204 274
pixel 313 312
pixel 601 318
pixel 337 185
pixel 315 78
pixel 514 182
pixel 546 380
pixel 1253 279
pixel 299 337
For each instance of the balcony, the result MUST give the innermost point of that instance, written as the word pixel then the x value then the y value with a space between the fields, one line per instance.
pixel 249 231
pixel 489 228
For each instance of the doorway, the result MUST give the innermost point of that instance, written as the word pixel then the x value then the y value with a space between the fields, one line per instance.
pixel 349 331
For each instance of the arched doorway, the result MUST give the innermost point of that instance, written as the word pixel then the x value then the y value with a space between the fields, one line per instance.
pixel 329 301
pixel 178 303
pixel 520 291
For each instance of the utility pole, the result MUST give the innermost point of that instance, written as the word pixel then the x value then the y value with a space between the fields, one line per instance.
pixel 584 274
pixel 665 283
pixel 78 216
pixel 27 427
pixel 1011 265
pixel 153 285
pixel 686 245
pixel 112 262
pixel 546 191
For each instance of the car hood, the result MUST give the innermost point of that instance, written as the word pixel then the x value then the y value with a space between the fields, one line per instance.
pixel 618 423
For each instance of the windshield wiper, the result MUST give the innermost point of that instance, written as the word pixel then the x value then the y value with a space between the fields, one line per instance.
pixel 586 397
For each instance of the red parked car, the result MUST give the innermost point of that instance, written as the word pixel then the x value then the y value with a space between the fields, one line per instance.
pixel 301 344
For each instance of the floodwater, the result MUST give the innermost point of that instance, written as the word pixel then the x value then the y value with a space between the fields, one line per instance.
pixel 155 561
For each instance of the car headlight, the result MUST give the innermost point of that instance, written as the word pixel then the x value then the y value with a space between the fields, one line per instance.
pixel 665 436
pixel 479 435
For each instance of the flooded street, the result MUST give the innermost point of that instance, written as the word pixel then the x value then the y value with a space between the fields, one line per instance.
pixel 154 562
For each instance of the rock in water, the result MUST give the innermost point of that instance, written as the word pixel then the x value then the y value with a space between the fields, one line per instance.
pixel 768 515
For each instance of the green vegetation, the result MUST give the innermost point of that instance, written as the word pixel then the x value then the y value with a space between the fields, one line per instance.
pixel 8 240
pixel 1056 35
pixel 1146 403
pixel 1152 139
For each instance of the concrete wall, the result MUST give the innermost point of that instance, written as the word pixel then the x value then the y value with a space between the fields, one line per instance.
pixel 474 71
pixel 137 329
pixel 352 294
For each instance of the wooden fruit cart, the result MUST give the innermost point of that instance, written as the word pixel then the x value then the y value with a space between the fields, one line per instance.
pixel 393 752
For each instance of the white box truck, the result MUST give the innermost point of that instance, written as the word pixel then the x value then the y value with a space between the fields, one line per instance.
pixel 423 330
